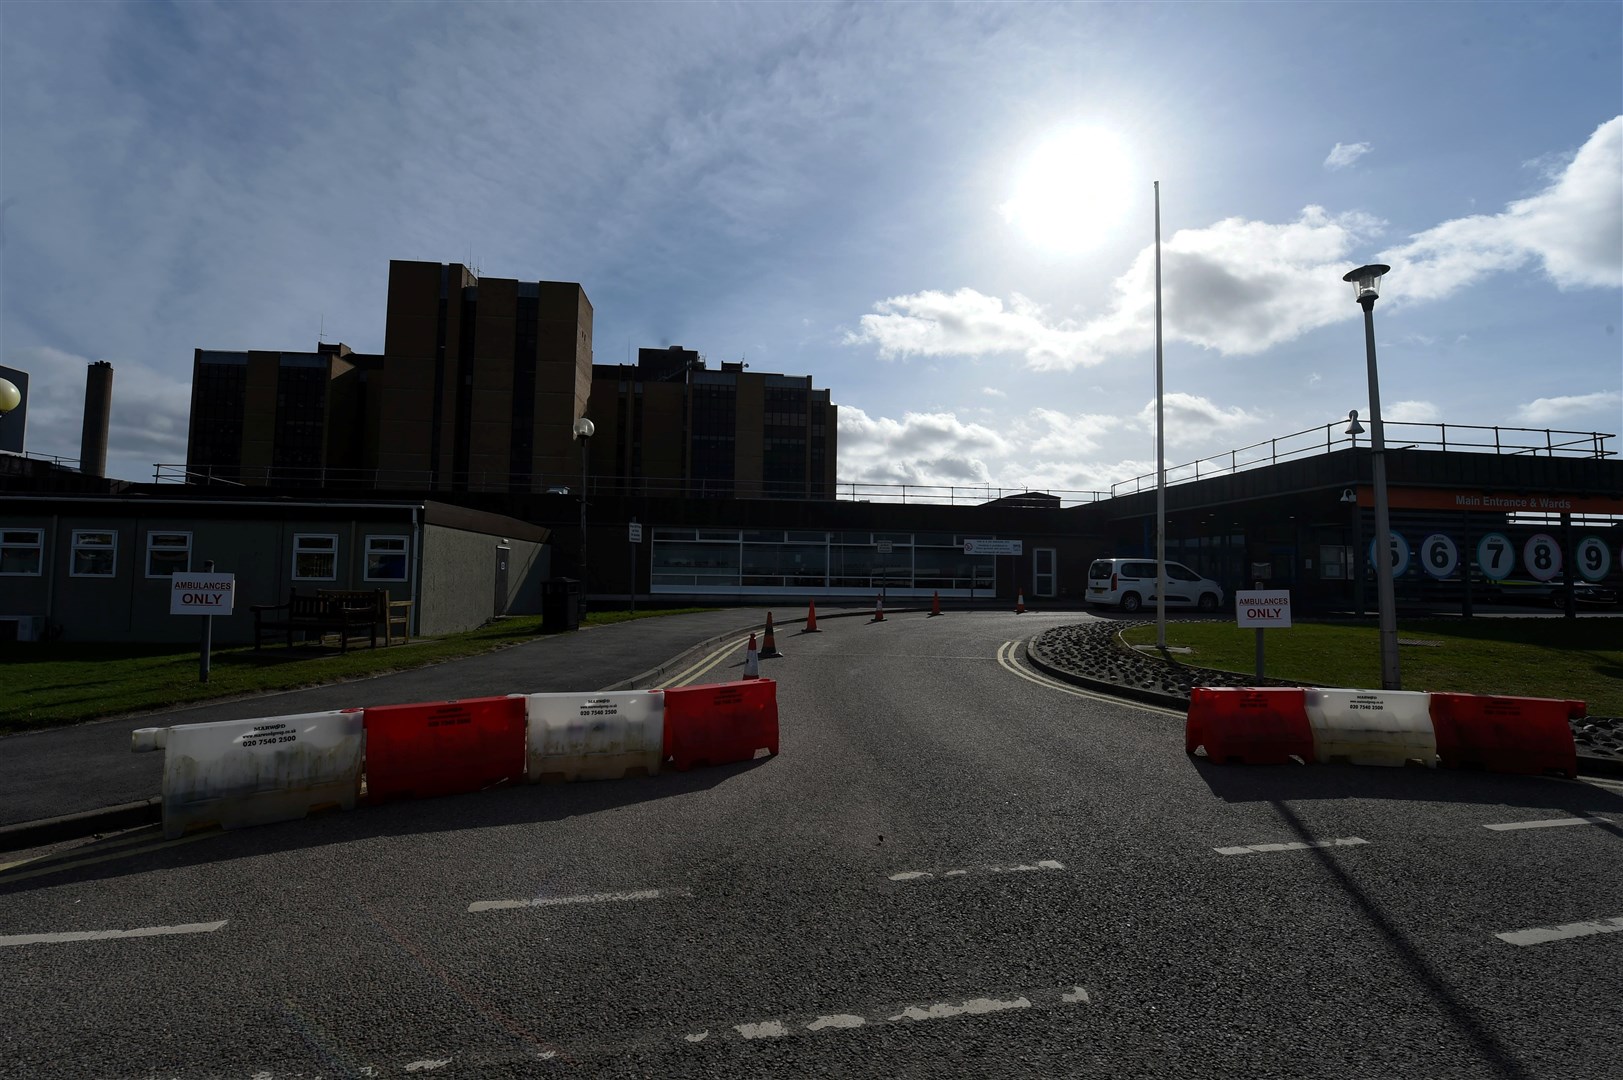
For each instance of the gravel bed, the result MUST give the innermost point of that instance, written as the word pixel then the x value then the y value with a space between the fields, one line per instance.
pixel 1093 650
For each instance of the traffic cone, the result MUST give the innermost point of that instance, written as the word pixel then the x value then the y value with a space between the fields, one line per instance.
pixel 879 610
pixel 811 619
pixel 935 604
pixel 1020 602
pixel 769 644
pixel 752 660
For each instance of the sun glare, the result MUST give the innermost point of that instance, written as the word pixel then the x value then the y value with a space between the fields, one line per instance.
pixel 1072 189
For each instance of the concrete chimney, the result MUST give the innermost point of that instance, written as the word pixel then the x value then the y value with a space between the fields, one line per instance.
pixel 98 415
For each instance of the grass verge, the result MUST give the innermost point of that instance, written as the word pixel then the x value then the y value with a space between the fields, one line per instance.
pixel 1560 658
pixel 51 684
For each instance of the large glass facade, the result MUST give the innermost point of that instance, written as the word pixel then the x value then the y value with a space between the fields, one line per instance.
pixel 775 561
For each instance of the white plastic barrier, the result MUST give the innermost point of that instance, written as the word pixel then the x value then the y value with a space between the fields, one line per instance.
pixel 252 772
pixel 1372 727
pixel 594 736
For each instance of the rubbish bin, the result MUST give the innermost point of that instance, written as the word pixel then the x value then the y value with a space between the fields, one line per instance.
pixel 560 604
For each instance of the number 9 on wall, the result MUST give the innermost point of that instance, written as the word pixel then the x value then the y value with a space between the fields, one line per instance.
pixel 1594 558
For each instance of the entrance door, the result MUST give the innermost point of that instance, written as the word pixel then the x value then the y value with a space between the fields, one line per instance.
pixel 500 598
pixel 1044 578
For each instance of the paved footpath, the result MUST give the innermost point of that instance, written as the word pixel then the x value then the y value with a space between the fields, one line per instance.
pixel 89 768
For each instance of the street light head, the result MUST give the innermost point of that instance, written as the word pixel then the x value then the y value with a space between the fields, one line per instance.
pixel 584 428
pixel 1366 281
pixel 1353 426
pixel 10 396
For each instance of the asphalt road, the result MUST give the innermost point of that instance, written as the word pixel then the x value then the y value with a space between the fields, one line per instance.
pixel 955 868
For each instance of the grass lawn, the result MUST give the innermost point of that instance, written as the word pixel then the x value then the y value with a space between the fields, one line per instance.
pixel 1560 658
pixel 49 684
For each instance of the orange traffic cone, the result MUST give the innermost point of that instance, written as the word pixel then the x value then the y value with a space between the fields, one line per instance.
pixel 752 660
pixel 811 619
pixel 1020 602
pixel 935 604
pixel 878 611
pixel 769 644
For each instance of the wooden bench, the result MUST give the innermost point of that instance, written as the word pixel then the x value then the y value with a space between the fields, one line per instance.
pixel 385 612
pixel 321 614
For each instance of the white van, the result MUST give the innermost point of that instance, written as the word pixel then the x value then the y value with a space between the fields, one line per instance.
pixel 1129 584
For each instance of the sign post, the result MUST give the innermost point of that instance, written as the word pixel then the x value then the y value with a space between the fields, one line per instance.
pixel 207 594
pixel 1262 609
pixel 634 534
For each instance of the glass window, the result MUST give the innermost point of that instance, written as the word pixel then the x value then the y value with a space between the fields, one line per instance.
pixel 1181 573
pixel 168 553
pixel 315 557
pixel 95 554
pixel 386 558
pixel 20 552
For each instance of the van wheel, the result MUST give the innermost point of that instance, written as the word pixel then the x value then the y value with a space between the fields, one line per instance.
pixel 1130 602
pixel 1208 602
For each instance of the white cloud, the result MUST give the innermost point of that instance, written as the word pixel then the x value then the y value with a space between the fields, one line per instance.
pixel 1555 410
pixel 1051 433
pixel 1191 419
pixel 1574 227
pixel 920 448
pixel 1412 412
pixel 1242 287
pixel 1343 155
pixel 992 391
pixel 150 411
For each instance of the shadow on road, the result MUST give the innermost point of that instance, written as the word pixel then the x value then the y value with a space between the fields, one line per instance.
pixel 1279 783
pixel 143 851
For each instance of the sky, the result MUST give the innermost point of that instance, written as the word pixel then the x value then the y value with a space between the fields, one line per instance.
pixel 943 213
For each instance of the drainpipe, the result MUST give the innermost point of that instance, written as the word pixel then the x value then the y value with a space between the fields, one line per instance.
pixel 416 565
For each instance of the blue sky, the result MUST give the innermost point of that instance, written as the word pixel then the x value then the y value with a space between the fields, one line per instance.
pixel 943 213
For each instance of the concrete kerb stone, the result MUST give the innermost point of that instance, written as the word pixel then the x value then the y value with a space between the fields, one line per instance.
pixel 33 834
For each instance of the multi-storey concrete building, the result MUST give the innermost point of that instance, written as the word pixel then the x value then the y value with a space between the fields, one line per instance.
pixel 478 388
pixel 678 426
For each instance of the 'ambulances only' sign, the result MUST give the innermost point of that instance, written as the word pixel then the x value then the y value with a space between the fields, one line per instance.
pixel 1262 609
pixel 202 594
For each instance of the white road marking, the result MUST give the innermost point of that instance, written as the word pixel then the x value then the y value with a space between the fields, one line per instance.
pixel 586 898
pixel 428 1066
pixel 943 1010
pixel 1549 823
pixel 700 667
pixel 972 1007
pixel 925 875
pixel 767 1029
pixel 103 935
pixel 1006 659
pixel 1250 849
pixel 1538 935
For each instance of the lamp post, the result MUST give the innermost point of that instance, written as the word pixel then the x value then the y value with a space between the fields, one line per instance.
pixel 583 432
pixel 1366 283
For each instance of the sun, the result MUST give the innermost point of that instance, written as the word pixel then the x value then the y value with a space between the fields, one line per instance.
pixel 1072 189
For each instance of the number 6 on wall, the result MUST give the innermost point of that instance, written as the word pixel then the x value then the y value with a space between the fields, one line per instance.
pixel 1439 555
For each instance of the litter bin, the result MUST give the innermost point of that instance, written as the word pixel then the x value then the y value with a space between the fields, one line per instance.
pixel 560 604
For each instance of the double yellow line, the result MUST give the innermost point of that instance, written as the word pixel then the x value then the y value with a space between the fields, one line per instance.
pixel 703 666
pixel 137 842
pixel 1007 658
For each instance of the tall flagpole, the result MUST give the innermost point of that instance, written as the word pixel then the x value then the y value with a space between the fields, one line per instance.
pixel 1160 452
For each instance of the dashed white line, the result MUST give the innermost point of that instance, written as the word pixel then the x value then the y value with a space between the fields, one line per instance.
pixel 429 1065
pixel 1539 935
pixel 1548 823
pixel 585 898
pixel 925 875
pixel 104 935
pixel 942 1010
pixel 972 1007
pixel 1301 845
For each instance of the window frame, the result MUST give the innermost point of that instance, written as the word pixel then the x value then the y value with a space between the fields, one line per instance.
pixel 80 543
pixel 404 553
pixel 331 552
pixel 8 541
pixel 153 534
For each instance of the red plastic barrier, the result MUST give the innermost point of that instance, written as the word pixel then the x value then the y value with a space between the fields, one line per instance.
pixel 1506 734
pixel 443 747
pixel 719 723
pixel 1249 726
